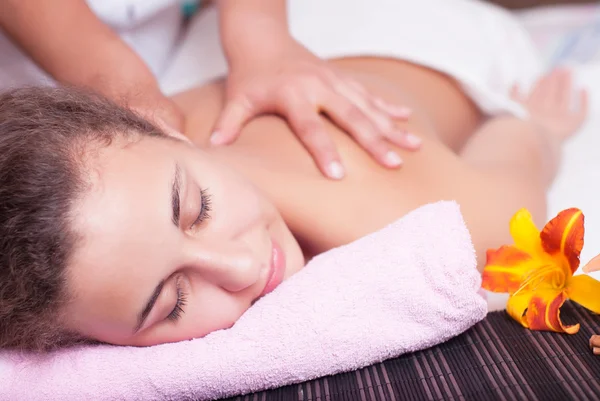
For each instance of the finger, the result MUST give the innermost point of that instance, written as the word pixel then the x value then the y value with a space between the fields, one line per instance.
pixel 393 110
pixel 164 125
pixel 563 90
pixel 234 116
pixel 380 119
pixel 404 139
pixel 584 102
pixel 540 90
pixel 357 95
pixel 595 344
pixel 352 119
pixel 374 107
pixel 170 131
pixel 553 85
pixel 308 125
pixel 171 115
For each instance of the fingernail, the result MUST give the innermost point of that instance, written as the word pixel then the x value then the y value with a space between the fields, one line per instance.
pixel 392 159
pixel 335 170
pixel 413 140
pixel 216 138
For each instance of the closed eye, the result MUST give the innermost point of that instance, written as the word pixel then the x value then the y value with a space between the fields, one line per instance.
pixel 179 304
pixel 205 208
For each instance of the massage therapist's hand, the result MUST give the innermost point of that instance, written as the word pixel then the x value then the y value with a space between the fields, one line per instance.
pixel 284 78
pixel 150 103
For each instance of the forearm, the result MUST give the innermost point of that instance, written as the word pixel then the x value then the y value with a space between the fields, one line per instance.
pixel 68 41
pixel 249 25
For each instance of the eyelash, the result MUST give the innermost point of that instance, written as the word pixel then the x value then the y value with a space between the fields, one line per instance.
pixel 181 302
pixel 204 214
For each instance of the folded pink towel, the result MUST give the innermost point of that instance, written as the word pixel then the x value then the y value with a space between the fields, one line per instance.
pixel 409 286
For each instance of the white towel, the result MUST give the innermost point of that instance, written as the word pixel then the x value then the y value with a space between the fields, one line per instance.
pixel 406 287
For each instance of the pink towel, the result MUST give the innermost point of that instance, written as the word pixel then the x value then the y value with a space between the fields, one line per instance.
pixel 407 287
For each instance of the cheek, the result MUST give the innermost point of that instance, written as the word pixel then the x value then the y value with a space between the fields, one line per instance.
pixel 241 207
pixel 207 310
pixel 211 310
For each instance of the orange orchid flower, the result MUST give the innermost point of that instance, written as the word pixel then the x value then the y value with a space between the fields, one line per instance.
pixel 537 271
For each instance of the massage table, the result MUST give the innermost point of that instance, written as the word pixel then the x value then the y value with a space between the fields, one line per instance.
pixel 497 359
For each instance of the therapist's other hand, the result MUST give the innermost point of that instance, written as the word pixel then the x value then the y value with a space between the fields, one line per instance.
pixel 152 105
pixel 288 80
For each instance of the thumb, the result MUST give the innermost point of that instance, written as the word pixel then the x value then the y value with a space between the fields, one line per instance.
pixel 236 113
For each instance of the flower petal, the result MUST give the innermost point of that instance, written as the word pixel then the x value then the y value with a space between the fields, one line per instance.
pixel 505 269
pixel 562 237
pixel 543 312
pixel 525 234
pixel 585 290
pixel 517 306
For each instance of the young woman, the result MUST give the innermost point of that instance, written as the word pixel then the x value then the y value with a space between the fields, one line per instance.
pixel 112 230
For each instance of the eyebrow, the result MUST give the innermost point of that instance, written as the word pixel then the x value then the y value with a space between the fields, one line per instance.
pixel 149 305
pixel 175 201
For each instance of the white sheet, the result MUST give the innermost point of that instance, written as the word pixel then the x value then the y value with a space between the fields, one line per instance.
pixel 570 35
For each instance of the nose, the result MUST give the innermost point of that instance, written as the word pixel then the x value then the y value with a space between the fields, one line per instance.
pixel 233 266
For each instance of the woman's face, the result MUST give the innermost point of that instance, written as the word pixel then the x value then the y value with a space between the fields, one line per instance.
pixel 173 245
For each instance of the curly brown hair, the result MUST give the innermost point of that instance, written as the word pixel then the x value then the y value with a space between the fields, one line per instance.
pixel 44 135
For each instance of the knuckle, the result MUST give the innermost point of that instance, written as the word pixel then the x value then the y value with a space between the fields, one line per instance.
pixel 377 146
pixel 385 123
pixel 309 129
pixel 328 77
pixel 323 151
pixel 291 91
pixel 353 114
pixel 316 83
pixel 244 101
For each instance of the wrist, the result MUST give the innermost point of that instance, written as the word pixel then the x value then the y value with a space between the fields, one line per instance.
pixel 257 47
pixel 248 35
pixel 124 86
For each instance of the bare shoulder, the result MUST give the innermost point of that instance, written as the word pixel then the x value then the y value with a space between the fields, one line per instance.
pixel 324 213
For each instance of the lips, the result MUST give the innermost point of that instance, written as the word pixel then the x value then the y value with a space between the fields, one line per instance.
pixel 276 269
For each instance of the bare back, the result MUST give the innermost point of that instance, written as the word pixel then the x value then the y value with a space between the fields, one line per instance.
pixel 324 214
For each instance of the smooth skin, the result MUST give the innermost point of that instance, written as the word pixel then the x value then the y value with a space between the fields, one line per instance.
pixel 265 191
pixel 492 167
